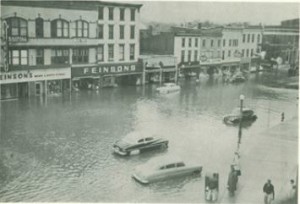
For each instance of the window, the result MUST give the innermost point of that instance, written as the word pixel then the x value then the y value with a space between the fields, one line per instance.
pixel 169 166
pixel 59 28
pixel 110 52
pixel 196 55
pixel 229 53
pixel 122 12
pixel 131 55
pixel 121 31
pixel 224 42
pixel 141 140
pixel 100 13
pixel 183 42
pixel 132 14
pixel 182 55
pixel 149 139
pixel 110 13
pixel 258 38
pixel 251 52
pixel 121 52
pixel 219 43
pixel 111 32
pixel 203 43
pixel 39 27
pixel 196 42
pixel 132 31
pixel 247 53
pixel 17 27
pixel 189 55
pixel 19 57
pixel 211 43
pixel 39 56
pixel 253 38
pixel 244 38
pixel 243 52
pixel 248 39
pixel 229 43
pixel 190 42
pixel 223 54
pixel 100 32
pixel 82 28
pixel 59 56
pixel 180 164
pixel 80 55
pixel 100 53
pixel 257 50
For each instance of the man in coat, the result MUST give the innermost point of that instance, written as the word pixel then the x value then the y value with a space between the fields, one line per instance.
pixel 268 189
pixel 232 180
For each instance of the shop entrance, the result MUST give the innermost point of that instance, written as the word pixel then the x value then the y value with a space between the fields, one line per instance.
pixel 38 88
pixel 23 90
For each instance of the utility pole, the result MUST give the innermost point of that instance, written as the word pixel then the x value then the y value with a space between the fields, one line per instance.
pixel 242 98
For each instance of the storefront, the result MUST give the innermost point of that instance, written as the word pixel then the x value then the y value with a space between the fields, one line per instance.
pixel 104 75
pixel 40 82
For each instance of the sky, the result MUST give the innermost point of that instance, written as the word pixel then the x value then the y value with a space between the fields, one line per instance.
pixel 268 13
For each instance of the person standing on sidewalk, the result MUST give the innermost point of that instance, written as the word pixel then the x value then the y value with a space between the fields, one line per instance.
pixel 268 189
pixel 232 180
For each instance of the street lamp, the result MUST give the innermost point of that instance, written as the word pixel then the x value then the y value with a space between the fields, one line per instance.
pixel 242 98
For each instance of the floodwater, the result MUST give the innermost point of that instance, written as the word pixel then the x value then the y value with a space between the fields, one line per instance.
pixel 60 150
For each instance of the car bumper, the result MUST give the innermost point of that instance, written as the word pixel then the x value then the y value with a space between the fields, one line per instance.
pixel 119 152
pixel 140 179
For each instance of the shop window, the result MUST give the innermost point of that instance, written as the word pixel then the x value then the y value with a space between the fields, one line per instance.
pixel 54 87
pixel 132 14
pixel 80 55
pixel 190 42
pixel 100 53
pixel 122 14
pixel 132 31
pixel 59 28
pixel 100 32
pixel 111 32
pixel 100 13
pixel 121 31
pixel 19 57
pixel 59 56
pixel 111 13
pixel 132 52
pixel 121 52
pixel 17 27
pixel 39 27
pixel 110 52
pixel 183 42
pixel 182 55
pixel 82 28
pixel 39 56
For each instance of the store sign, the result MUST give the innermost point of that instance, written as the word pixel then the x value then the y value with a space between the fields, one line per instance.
pixel 34 75
pixel 106 69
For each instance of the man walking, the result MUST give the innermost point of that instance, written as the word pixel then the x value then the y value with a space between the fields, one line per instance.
pixel 268 189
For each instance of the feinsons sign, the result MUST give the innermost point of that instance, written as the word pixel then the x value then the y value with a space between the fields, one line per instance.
pixel 106 69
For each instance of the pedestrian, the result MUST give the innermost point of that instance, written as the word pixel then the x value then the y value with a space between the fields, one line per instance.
pixel 268 189
pixel 213 185
pixel 293 189
pixel 232 180
pixel 282 116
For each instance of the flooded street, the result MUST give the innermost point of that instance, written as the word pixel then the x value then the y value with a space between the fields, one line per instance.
pixel 61 150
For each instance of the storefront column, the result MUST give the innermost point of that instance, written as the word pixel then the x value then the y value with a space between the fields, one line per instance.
pixel 46 89
pixel 176 72
pixel 160 76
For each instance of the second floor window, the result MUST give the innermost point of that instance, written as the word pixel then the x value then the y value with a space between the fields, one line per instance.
pixel 100 32
pixel 80 55
pixel 258 38
pixel 110 52
pixel 111 32
pixel 59 28
pixel 132 31
pixel 183 42
pixel 132 14
pixel 121 31
pixel 229 53
pixel 244 38
pixel 131 52
pixel 182 55
pixel 196 42
pixel 39 27
pixel 39 56
pixel 212 43
pixel 100 53
pixel 19 57
pixel 189 55
pixel 248 38
pixel 122 12
pixel 196 55
pixel 110 13
pixel 203 43
pixel 100 13
pixel 82 29
pixel 60 56
pixel 253 38
pixel 17 27
pixel 224 42
pixel 121 52
pixel 219 43
pixel 190 42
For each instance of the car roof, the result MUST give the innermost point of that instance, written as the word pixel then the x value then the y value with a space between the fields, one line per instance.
pixel 163 160
pixel 135 136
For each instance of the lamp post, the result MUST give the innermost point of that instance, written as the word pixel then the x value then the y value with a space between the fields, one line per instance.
pixel 242 98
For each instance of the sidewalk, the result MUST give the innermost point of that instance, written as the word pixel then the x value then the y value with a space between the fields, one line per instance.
pixel 270 155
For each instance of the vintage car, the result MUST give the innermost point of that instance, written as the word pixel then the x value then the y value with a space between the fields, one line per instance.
pixel 135 145
pixel 235 116
pixel 168 88
pixel 163 167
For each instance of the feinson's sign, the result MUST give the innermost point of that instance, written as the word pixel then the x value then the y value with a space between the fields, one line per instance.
pixel 106 69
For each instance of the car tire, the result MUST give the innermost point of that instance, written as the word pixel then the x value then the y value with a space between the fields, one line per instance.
pixel 197 172
pixel 163 146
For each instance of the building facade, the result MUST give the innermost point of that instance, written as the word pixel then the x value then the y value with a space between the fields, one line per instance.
pixel 49 48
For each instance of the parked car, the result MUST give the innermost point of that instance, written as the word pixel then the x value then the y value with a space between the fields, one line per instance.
pixel 135 145
pixel 163 167
pixel 168 88
pixel 235 116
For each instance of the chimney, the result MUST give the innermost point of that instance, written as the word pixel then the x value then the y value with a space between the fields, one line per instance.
pixel 199 25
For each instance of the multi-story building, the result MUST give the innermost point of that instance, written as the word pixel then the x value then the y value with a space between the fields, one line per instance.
pixel 281 43
pixel 49 47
